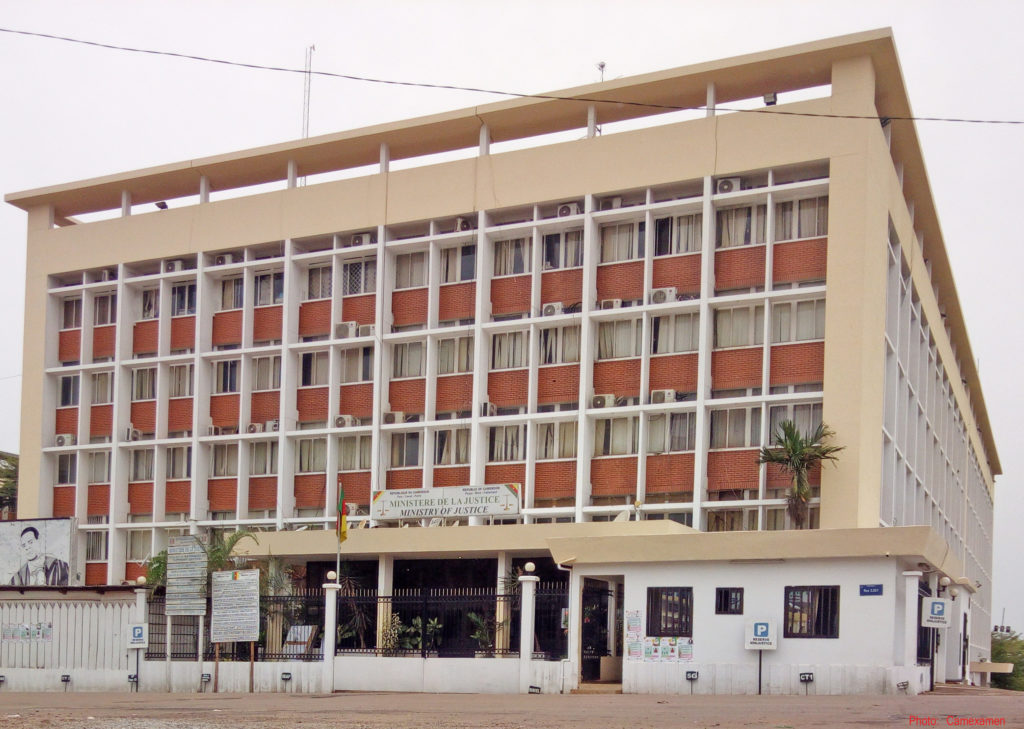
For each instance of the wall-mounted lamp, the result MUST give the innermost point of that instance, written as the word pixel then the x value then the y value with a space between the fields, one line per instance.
pixel 332 576
pixel 954 592
pixel 945 581
pixel 530 567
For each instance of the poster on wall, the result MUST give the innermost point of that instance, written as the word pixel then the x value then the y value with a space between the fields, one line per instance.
pixel 37 552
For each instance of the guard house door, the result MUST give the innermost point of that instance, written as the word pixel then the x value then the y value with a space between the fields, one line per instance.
pixel 601 631
pixel 925 637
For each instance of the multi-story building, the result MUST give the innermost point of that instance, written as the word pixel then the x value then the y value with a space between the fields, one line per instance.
pixel 615 321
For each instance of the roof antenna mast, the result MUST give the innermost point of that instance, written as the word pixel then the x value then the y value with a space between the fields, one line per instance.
pixel 307 76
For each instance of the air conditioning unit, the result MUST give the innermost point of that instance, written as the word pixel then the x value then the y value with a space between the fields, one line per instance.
pixel 213 430
pixel 462 224
pixel 346 330
pixel 108 275
pixel 659 397
pixel 223 259
pixel 665 295
pixel 553 309
pixel 360 239
pixel 254 428
pixel 488 410
pixel 65 439
pixel 174 265
pixel 392 418
pixel 611 303
pixel 133 434
pixel 344 421
pixel 611 203
pixel 728 184
pixel 603 401
pixel 567 209
pixel 272 426
pixel 367 330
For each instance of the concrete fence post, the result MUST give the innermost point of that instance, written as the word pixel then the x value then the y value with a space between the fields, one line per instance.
pixel 528 585
pixel 330 635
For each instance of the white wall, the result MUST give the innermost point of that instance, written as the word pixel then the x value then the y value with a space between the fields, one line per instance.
pixel 427 675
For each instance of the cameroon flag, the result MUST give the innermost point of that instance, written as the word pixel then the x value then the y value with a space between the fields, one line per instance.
pixel 342 516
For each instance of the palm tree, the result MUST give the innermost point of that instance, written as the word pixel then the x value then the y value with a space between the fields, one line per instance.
pixel 796 454
pixel 9 482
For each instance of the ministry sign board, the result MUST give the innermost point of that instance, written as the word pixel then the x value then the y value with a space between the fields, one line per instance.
pixel 447 502
pixel 236 606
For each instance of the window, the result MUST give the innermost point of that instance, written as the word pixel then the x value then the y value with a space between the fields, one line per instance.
pixel 104 309
pixel 225 459
pixel 728 601
pixel 679 436
pixel 811 612
pixel 556 440
pixel 359 277
pixel 458 264
pixel 622 241
pixel 410 270
pixel 314 369
pixel 139 546
pixel 670 611
pixel 615 436
pixel 679 333
pixel 179 462
pixel 739 327
pixel 102 387
pixel 563 250
pixel 407 359
pixel 267 373
pixel 512 256
pixel 560 345
pixel 729 428
pixel 810 220
pixel 451 447
pixel 263 458
pixel 99 467
pixel 269 289
pixel 681 234
pixel 619 338
pixel 183 299
pixel 357 365
pixel 68 391
pixel 225 376
pixel 312 455
pixel 150 303
pixel 355 453
pixel 231 293
pixel 181 380
pixel 142 465
pixel 67 468
pixel 742 226
pixel 96 541
pixel 318 282
pixel 405 449
pixel 455 355
pixel 798 321
pixel 508 350
pixel 506 443
pixel 806 417
pixel 144 384
pixel 72 314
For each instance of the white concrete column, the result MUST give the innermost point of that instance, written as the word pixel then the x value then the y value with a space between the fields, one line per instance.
pixel 910 618
pixel 385 583
pixel 126 203
pixel 591 121
pixel 385 157
pixel 528 589
pixel 141 614
pixel 204 189
pixel 293 174
pixel 710 105
pixel 485 141
pixel 330 635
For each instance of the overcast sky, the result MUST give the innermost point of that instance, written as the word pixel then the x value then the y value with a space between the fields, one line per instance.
pixel 71 112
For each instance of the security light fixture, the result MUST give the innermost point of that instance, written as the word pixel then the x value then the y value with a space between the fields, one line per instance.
pixel 162 205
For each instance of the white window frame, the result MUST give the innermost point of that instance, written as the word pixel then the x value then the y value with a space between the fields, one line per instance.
pixel 807 416
pixel 455 355
pixel 179 463
pixel 801 218
pixel 71 316
pixel 741 225
pixel 408 359
pixel 622 241
pixel 99 467
pixel 359 277
pixel 411 270
pixel 355 453
pixel 557 440
pixel 685 234
pixel 619 338
pixel 266 373
pixel 311 455
pixel 150 303
pixel 68 391
pixel 263 456
pixel 67 469
pixel 681 333
pixel 224 462
pixel 314 369
pixel 672 432
pixel 560 345
pixel 183 299
pixel 563 250
pixel 406 449
pixel 798 321
pixel 104 308
pixel 510 350
pixel 742 427
pixel 452 447
pixel 225 376
pixel 268 289
pixel 143 384
pixel 102 388
pixel 232 293
pixel 616 436
pixel 181 380
pixel 513 256
pixel 454 262
pixel 739 326
pixel 142 465
pixel 506 443
pixel 357 365
pixel 319 284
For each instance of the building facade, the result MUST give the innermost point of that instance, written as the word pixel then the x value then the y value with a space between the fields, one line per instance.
pixel 617 321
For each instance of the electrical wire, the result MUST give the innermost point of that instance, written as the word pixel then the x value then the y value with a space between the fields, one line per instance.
pixel 498 92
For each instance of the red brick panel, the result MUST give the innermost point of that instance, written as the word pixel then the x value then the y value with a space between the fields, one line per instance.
pixel 776 478
pixel 739 268
pixel 505 473
pixel 223 493
pixel 508 388
pixel 262 492
pixel 362 309
pixel 554 480
pixel 409 306
pixel 266 323
pixel 451 476
pixel 145 337
pixel 670 473
pixel 620 280
pixel 66 421
pixel 265 406
pixel 558 383
pixel 143 415
pixel 405 478
pixel 69 346
pixel 619 377
pixel 178 497
pixel 315 318
pixel 63 501
pixel 613 476
pixel 454 392
pixel 224 409
pixel 96 573
pixel 802 260
pixel 140 498
pixel 457 301
pixel 683 272
pixel 310 490
pixel 357 400
pixel 565 286
pixel 798 363
pixel 674 372
pixel 311 403
pixel 101 420
pixel 729 470
pixel 735 368
pixel 357 487
pixel 227 327
pixel 179 414
pixel 183 332
pixel 103 341
pixel 407 396
pixel 134 570
pixel 98 499
pixel 510 295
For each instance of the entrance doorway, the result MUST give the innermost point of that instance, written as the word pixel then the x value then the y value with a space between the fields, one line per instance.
pixel 601 630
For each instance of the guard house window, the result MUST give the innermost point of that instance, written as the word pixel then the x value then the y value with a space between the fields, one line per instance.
pixel 68 391
pixel 619 338
pixel 314 368
pixel 728 601
pixel 675 433
pixel 357 365
pixel 739 327
pixel 405 449
pixel 681 234
pixel 225 459
pixel 455 355
pixel 563 250
pixel 506 443
pixel 269 289
pixel 359 277
pixel 142 465
pixel 67 468
pixel 798 321
pixel 225 377
pixel 179 462
pixel 355 453
pixel 615 436
pixel 183 299
pixel 72 314
pixel 264 458
pixel 806 218
pixel 318 283
pixel 741 226
pixel 679 333
pixel 102 388
pixel 410 270
pixel 231 290
pixel 144 384
pixel 736 428
pixel 560 345
pixel 508 350
pixel 458 264
pixel 556 440
pixel 812 612
pixel 181 380
pixel 407 359
pixel 150 303
pixel 104 309
pixel 99 467
pixel 267 373
pixel 622 241
pixel 312 455
pixel 670 611
pixel 511 256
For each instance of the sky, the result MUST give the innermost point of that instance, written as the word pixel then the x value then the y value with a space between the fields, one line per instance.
pixel 69 112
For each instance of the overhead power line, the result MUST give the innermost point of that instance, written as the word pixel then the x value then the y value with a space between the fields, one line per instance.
pixel 498 92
